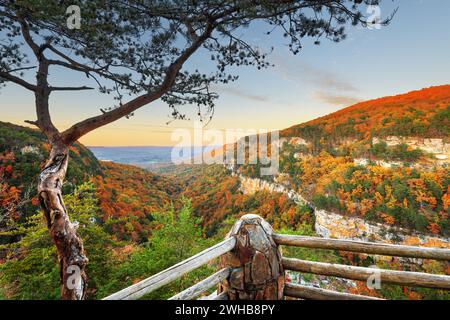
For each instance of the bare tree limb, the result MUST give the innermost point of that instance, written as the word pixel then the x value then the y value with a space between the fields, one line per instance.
pixel 29 39
pixel 17 80
pixel 21 69
pixel 70 88
pixel 78 130
pixel 34 123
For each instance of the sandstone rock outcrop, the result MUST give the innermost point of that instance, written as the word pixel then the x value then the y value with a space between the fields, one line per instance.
pixel 437 147
pixel 333 225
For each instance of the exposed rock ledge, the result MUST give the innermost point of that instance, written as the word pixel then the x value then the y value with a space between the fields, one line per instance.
pixel 437 147
pixel 252 185
pixel 333 225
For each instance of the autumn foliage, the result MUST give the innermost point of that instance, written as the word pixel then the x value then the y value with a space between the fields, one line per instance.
pixel 216 198
pixel 413 113
pixel 129 195
pixel 407 197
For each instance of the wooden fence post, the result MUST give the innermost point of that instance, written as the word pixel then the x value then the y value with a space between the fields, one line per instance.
pixel 256 269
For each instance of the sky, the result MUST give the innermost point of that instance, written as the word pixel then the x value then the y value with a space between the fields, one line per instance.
pixel 409 54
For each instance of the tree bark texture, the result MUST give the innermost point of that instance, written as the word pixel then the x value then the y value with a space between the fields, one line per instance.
pixel 71 255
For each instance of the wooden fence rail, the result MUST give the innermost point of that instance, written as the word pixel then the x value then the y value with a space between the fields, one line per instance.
pixel 202 286
pixel 363 247
pixel 406 278
pixel 253 267
pixel 311 293
pixel 152 283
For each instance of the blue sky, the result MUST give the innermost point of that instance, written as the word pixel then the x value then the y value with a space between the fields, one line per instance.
pixel 411 53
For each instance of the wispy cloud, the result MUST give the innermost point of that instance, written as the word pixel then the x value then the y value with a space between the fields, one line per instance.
pixel 301 73
pixel 335 99
pixel 326 79
pixel 241 93
pixel 328 86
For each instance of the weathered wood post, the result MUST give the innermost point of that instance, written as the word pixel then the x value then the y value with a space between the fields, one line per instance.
pixel 257 272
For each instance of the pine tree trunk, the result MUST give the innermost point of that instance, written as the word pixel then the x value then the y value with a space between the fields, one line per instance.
pixel 72 258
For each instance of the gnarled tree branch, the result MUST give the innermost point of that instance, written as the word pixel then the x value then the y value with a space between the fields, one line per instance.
pixel 78 130
pixel 9 77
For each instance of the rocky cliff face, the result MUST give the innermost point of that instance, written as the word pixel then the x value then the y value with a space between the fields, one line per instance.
pixel 252 185
pixel 437 147
pixel 333 225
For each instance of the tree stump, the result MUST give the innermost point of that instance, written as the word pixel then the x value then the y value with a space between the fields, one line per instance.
pixel 255 262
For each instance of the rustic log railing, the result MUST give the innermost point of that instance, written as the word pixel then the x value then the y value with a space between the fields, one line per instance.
pixel 204 285
pixel 363 247
pixel 406 278
pixel 164 277
pixel 252 267
pixel 312 293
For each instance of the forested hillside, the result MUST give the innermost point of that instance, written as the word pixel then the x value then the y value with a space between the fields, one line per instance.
pixel 22 156
pixel 117 209
pixel 408 197
pixel 216 198
pixel 384 160
pixel 129 195
pixel 423 113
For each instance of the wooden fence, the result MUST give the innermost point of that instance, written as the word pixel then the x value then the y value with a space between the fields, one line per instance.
pixel 253 268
